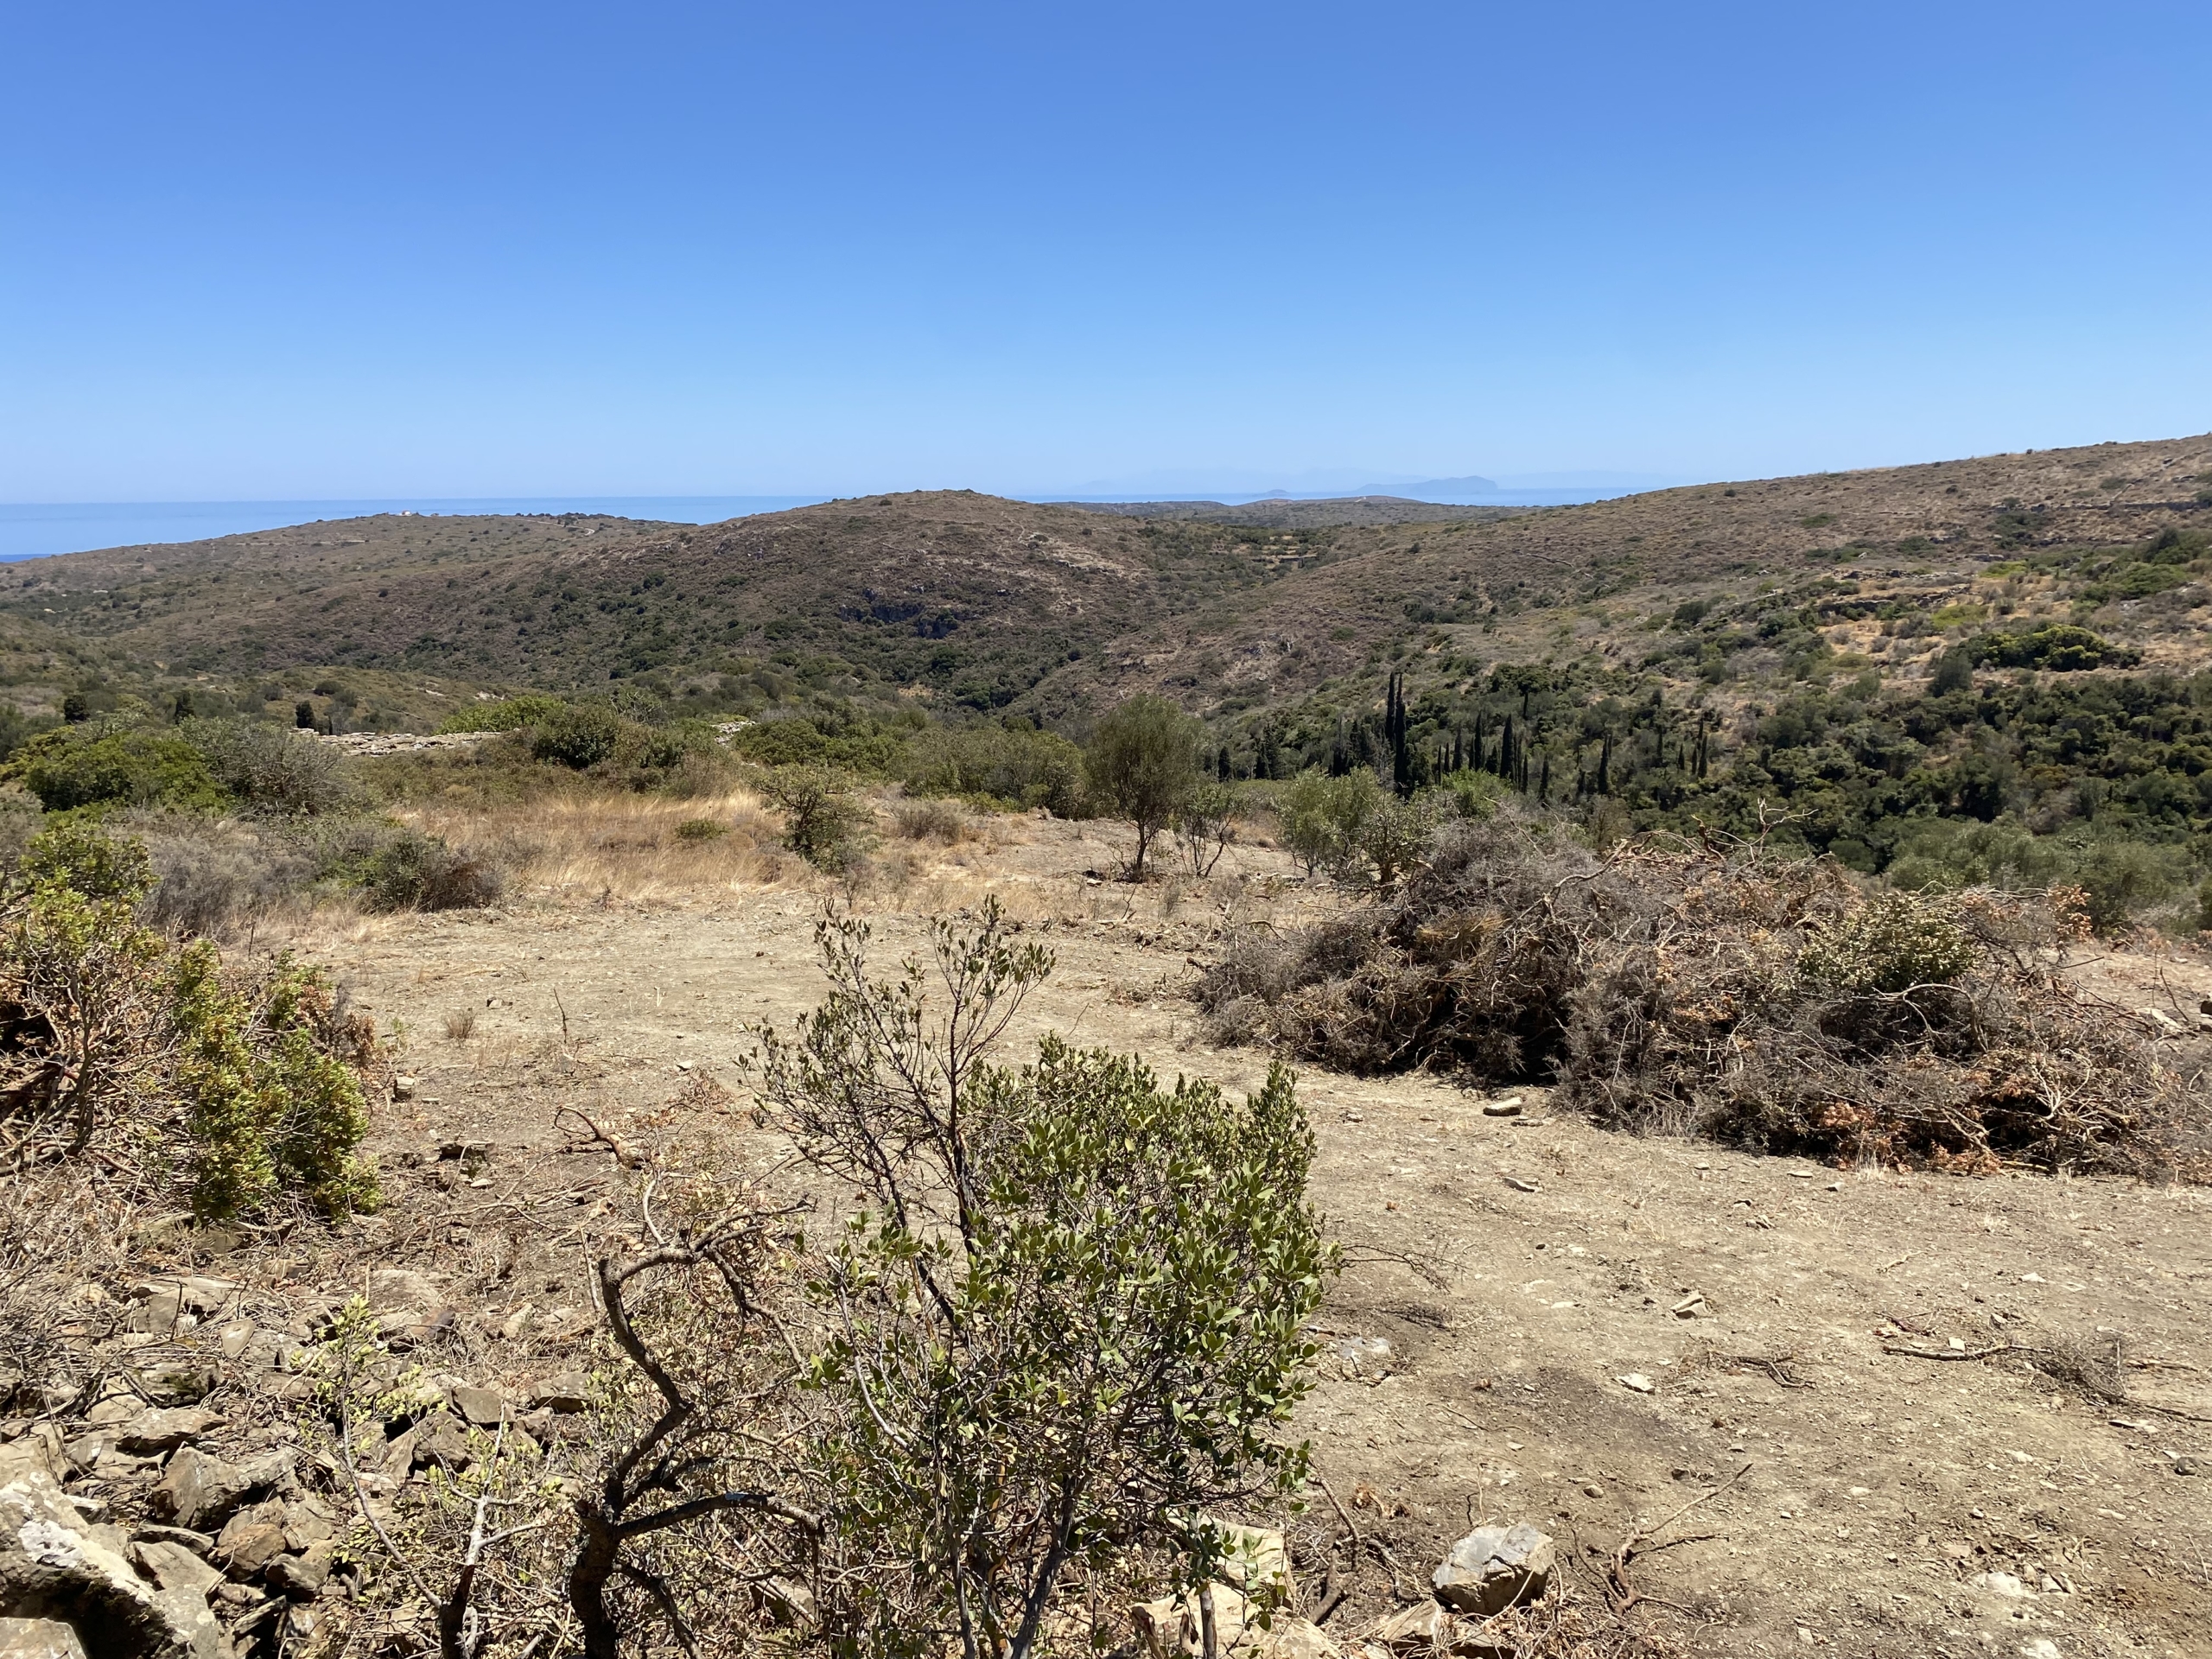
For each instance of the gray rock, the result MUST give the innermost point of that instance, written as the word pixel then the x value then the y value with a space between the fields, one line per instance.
pixel 1493 1568
pixel 301 1577
pixel 482 1407
pixel 198 1543
pixel 53 1564
pixel 201 1492
pixel 569 1392
pixel 396 1288
pixel 38 1639
pixel 164 1431
pixel 174 1566
pixel 176 1385
pixel 440 1439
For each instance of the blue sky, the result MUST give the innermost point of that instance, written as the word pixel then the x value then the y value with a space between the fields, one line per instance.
pixel 266 250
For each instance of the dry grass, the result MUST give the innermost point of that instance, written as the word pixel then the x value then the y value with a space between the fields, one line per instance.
pixel 627 848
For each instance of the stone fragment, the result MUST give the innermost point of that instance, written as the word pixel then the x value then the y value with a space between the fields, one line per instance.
pixel 405 1087
pixel 201 1492
pixel 482 1407
pixel 1426 1629
pixel 393 1288
pixel 161 1430
pixel 1636 1382
pixel 172 1567
pixel 1172 1627
pixel 1493 1568
pixel 253 1538
pixel 38 1638
pixel 440 1439
pixel 54 1563
pixel 117 1408
pixel 176 1385
pixel 302 1576
pixel 1510 1107
pixel 569 1392
pixel 198 1543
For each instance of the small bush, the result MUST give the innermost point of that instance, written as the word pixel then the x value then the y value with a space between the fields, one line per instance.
pixel 246 1088
pixel 579 736
pixel 87 765
pixel 1890 945
pixel 928 821
pixel 509 716
pixel 1322 817
pixel 822 821
pixel 702 829
pixel 394 866
pixel 461 1025
pixel 272 769
pixel 1010 766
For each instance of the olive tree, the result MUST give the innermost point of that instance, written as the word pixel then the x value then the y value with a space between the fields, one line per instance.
pixel 1143 764
pixel 1065 1317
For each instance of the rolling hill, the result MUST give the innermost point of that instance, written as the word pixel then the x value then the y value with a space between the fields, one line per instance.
pixel 970 600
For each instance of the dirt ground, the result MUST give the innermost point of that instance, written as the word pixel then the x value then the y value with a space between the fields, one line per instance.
pixel 1540 1321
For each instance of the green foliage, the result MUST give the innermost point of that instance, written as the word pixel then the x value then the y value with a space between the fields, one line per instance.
pixel 1323 818
pixel 274 769
pixel 94 765
pixel 822 821
pixel 78 855
pixel 1142 765
pixel 1473 795
pixel 1206 824
pixel 1072 1316
pixel 580 735
pixel 260 1077
pixel 1009 766
pixel 1394 836
pixel 512 714
pixel 702 829
pixel 1888 944
pixel 2061 647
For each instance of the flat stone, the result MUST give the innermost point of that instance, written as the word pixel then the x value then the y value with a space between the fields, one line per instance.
pixel 53 1561
pixel 164 1430
pixel 1493 1568
pixel 301 1577
pixel 38 1638
pixel 402 1287
pixel 172 1567
pixel 201 1492
pixel 252 1541
pixel 198 1543
pixel 482 1407
pixel 569 1392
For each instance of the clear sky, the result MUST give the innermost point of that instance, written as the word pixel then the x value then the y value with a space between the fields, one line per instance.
pixel 260 250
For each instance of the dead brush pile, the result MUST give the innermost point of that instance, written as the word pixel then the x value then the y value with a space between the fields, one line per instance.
pixel 1736 993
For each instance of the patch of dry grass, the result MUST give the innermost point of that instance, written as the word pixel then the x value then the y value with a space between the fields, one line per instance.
pixel 627 848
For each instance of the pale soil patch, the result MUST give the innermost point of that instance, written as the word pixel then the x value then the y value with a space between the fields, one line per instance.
pixel 1877 1488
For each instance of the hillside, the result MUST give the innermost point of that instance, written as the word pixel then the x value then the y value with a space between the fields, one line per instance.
pixel 1281 513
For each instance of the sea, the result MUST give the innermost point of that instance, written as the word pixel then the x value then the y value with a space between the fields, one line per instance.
pixel 35 530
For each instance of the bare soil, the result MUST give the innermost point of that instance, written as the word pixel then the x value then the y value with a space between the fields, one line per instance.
pixel 1505 1273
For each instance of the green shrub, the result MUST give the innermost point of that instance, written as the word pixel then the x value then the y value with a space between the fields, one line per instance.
pixel 1002 766
pixel 580 735
pixel 1142 764
pixel 702 829
pixel 248 1089
pixel 276 769
pixel 510 715
pixel 1323 818
pixel 822 821
pixel 408 870
pixel 2061 647
pixel 1891 943
pixel 87 765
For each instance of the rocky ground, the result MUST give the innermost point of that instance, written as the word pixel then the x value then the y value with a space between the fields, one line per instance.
pixel 1776 1403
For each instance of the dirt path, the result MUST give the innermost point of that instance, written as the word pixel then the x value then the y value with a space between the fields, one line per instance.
pixel 1507 1273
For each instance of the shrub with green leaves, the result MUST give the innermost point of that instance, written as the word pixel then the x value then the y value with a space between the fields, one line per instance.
pixel 1323 818
pixel 822 821
pixel 580 736
pixel 1070 1317
pixel 508 715
pixel 1002 765
pixel 248 1087
pixel 84 766
pixel 1888 944
pixel 1142 765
